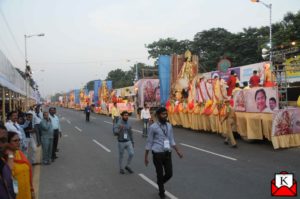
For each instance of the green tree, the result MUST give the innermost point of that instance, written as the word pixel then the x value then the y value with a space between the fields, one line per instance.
pixel 167 46
pixel 120 78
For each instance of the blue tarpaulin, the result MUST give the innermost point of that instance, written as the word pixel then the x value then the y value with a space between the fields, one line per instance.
pixel 77 96
pixel 164 65
pixel 97 85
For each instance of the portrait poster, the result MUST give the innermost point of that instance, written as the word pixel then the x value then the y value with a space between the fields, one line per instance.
pixel 257 100
pixel 149 92
pixel 286 121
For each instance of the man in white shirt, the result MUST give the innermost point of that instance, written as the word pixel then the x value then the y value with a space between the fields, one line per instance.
pixel 145 116
pixel 12 125
pixel 56 130
pixel 37 118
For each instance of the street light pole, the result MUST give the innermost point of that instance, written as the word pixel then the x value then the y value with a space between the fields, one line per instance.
pixel 27 67
pixel 269 6
pixel 136 72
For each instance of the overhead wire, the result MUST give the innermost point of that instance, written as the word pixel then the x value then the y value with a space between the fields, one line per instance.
pixel 12 34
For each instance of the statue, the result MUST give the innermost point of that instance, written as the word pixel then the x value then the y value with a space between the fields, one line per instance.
pixel 188 68
pixel 187 73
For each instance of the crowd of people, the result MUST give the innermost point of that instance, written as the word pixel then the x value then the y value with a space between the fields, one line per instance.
pixel 20 137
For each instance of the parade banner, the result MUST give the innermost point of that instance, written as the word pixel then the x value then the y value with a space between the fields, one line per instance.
pixel 164 63
pixel 293 68
pixel 77 96
pixel 97 85
pixel 226 75
pixel 258 100
pixel 109 85
pixel 247 71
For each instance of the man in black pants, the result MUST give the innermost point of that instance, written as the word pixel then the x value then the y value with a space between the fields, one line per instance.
pixel 56 131
pixel 160 140
pixel 87 111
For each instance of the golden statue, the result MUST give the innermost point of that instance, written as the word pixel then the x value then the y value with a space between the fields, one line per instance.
pixel 188 68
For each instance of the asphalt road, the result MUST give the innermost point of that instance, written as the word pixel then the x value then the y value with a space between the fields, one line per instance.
pixel 87 167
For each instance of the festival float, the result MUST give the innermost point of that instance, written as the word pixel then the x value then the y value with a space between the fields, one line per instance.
pixel 197 101
pixel 105 96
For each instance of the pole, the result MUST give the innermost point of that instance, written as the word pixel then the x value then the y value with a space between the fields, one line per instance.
pixel 3 105
pixel 26 79
pixel 9 101
pixel 136 72
pixel 271 46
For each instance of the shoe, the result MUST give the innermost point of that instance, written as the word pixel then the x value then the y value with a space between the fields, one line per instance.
pixel 162 195
pixel 129 169
pixel 234 146
pixel 36 163
pixel 122 171
pixel 225 142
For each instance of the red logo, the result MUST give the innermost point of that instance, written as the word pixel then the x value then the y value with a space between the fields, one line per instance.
pixel 284 184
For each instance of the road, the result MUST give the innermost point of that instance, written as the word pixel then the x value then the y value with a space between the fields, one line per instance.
pixel 87 166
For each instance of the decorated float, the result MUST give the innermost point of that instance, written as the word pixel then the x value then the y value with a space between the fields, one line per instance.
pixel 105 96
pixel 197 101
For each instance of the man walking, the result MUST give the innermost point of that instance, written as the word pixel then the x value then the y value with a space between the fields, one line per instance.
pixel 56 131
pixel 87 111
pixel 160 140
pixel 145 116
pixel 125 141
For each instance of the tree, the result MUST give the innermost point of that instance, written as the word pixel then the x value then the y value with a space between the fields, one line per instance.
pixel 120 78
pixel 167 46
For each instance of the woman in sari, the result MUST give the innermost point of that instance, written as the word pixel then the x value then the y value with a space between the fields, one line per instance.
pixel 21 171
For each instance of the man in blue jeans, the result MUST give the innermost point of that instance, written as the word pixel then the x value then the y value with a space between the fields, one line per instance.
pixel 125 141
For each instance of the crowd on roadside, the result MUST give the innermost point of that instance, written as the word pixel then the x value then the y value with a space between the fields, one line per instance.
pixel 20 137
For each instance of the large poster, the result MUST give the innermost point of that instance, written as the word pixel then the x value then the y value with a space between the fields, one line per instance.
pixel 261 100
pixel 148 92
pixel 286 121
pixel 226 75
pixel 293 68
pixel 97 85
pixel 247 71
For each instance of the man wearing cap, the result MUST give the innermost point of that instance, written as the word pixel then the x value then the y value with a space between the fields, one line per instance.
pixel 160 141
pixel 125 141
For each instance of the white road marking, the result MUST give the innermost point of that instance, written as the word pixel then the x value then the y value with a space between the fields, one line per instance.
pixel 80 130
pixel 220 155
pixel 102 146
pixel 69 122
pixel 155 185
pixel 138 131
pixel 108 122
pixel 133 118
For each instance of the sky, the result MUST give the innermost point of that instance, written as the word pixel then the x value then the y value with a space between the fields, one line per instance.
pixel 85 39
